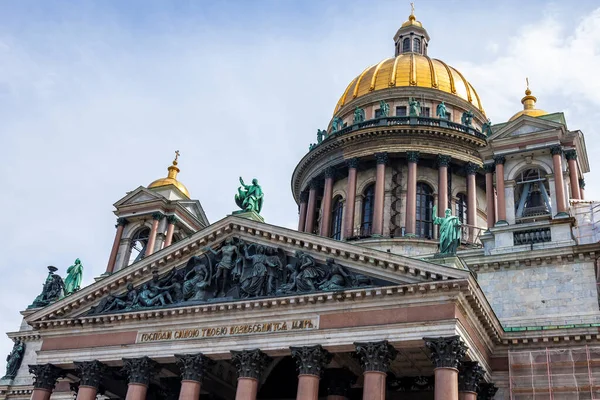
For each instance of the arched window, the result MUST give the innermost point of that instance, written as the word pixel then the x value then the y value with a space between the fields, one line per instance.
pixel 531 194
pixel 406 45
pixel 366 223
pixel 424 210
pixel 139 242
pixel 336 218
pixel 461 207
pixel 417 45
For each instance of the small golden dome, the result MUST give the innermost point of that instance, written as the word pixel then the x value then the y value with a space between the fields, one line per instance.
pixel 528 106
pixel 412 20
pixel 410 69
pixel 171 179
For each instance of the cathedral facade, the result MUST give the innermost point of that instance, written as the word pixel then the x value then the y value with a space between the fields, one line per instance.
pixel 374 296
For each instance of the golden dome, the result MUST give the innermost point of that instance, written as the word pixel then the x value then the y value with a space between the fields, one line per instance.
pixel 412 20
pixel 411 69
pixel 171 179
pixel 528 106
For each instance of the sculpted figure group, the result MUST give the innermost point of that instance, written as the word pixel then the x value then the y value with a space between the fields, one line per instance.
pixel 236 270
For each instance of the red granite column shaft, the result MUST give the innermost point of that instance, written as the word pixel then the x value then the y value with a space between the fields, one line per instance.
pixel 573 174
pixel 247 388
pixel 172 220
pixel 310 210
pixel 250 365
pixel 351 198
pixel 41 394
pixel 303 208
pixel 501 196
pixel 489 196
pixel 446 384
pixel 558 179
pixel 121 222
pixel 379 194
pixel 190 390
pixel 136 391
pixel 443 163
pixel 325 228
pixel 471 199
pixel 86 393
pixel 156 217
pixel 411 194
pixel 374 385
pixel 467 396
pixel 308 387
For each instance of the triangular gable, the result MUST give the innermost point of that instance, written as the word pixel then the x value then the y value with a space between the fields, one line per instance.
pixel 524 125
pixel 380 267
pixel 139 195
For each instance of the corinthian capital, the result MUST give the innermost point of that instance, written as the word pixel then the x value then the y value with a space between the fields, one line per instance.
pixel 311 360
pixel 470 374
pixel 140 370
pixel 192 366
pixel 90 373
pixel 250 363
pixel 446 352
pixel 45 375
pixel 375 356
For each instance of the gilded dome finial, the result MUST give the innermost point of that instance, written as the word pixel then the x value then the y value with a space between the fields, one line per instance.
pixel 527 91
pixel 412 17
pixel 176 157
pixel 171 178
pixel 528 102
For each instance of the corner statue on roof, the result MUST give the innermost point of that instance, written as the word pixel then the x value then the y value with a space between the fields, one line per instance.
pixel 450 230
pixel 74 277
pixel 249 197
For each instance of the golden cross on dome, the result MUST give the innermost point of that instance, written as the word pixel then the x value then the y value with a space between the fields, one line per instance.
pixel 176 154
pixel 412 8
pixel 527 80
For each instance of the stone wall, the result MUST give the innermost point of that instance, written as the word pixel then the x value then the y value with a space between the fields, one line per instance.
pixel 544 295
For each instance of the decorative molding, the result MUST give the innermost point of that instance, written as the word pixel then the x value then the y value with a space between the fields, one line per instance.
pixel 412 156
pixel 571 154
pixel 443 160
pixel 311 360
pixel 470 374
pixel 157 216
pixel 499 160
pixel 90 373
pixel 352 162
pixel 45 375
pixel 375 356
pixel 250 363
pixel 192 366
pixel 446 352
pixel 338 381
pixel 140 370
pixel 556 150
pixel 381 158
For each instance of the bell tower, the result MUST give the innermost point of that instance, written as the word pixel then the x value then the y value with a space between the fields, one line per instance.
pixel 152 218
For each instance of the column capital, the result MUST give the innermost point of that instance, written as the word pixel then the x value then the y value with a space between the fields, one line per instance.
pixel 556 150
pixel 172 219
pixel 582 183
pixel 471 168
pixel 121 222
pixel 382 158
pixel 90 373
pixel 329 172
pixel 489 168
pixel 250 363
pixel 470 375
pixel 304 197
pixel 487 391
pixel 192 366
pixel 45 375
pixel 157 216
pixel 311 360
pixel 412 156
pixel 499 160
pixel 352 162
pixel 314 184
pixel 375 356
pixel 443 160
pixel 571 154
pixel 446 352
pixel 140 370
pixel 338 381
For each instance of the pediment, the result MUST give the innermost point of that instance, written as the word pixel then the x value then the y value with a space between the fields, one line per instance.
pixel 267 262
pixel 525 126
pixel 139 195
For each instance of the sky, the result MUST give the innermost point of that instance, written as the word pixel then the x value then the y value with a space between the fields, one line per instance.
pixel 95 97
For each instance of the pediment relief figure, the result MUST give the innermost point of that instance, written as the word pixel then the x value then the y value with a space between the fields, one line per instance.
pixel 237 270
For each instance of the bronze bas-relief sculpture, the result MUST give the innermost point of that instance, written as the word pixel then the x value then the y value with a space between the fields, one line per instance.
pixel 237 270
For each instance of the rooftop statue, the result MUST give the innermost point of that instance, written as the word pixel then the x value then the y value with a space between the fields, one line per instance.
pixel 486 128
pixel 450 232
pixel 74 277
pixel 467 118
pixel 359 115
pixel 385 108
pixel 321 134
pixel 52 290
pixel 249 197
pixel 14 359
pixel 414 107
pixel 441 111
pixel 336 124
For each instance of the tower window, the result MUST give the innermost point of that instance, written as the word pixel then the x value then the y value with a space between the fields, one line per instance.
pixel 532 194
pixel 425 112
pixel 400 111
pixel 139 243
pixel 417 45
pixel 406 45
pixel 424 210
pixel 336 218
pixel 366 223
pixel 378 113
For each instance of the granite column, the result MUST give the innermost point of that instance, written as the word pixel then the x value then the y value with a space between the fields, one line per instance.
pixel 192 367
pixel 44 380
pixel 559 184
pixel 121 222
pixel 501 195
pixel 310 362
pixel 350 198
pixel 411 194
pixel 379 194
pixel 446 354
pixel 375 358
pixel 325 228
pixel 140 372
pixel 156 217
pixel 250 365
pixel 90 375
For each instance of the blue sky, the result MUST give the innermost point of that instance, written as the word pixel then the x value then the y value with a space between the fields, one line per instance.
pixel 95 96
